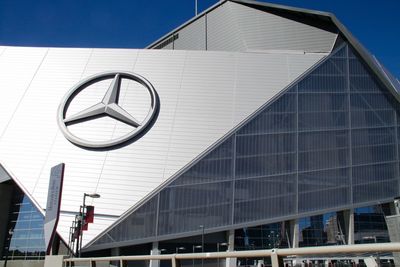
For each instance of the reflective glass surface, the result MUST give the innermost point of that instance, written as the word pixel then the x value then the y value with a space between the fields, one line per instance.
pixel 26 222
pixel 322 230
pixel 370 225
pixel 328 142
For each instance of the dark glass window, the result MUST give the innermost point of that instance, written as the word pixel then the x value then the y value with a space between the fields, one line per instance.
pixel 322 230
pixel 370 225
pixel 27 240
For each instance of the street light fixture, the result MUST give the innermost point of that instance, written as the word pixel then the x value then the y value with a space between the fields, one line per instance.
pixel 82 217
pixel 194 250
pixel 94 195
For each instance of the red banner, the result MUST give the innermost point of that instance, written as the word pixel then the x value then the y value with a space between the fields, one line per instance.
pixel 85 226
pixel 89 218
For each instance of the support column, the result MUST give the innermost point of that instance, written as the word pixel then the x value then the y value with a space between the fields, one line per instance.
pixel 154 251
pixel 115 252
pixel 295 233
pixel 5 205
pixel 395 206
pixel 231 262
pixel 349 221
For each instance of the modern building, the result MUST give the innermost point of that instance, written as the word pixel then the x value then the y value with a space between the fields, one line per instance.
pixel 251 126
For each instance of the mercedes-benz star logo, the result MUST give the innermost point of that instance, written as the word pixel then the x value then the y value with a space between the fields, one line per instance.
pixel 108 106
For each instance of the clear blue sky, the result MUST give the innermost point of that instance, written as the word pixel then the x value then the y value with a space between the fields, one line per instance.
pixel 137 23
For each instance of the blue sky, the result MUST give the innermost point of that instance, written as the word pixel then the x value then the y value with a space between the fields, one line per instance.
pixel 137 23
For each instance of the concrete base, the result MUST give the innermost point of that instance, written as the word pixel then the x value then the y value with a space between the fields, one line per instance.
pixel 54 261
pixel 24 263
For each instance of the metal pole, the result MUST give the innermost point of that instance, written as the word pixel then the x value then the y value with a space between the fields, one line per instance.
pixel 82 222
pixel 195 8
pixel 202 238
pixel 218 251
pixel 202 243
pixel 77 225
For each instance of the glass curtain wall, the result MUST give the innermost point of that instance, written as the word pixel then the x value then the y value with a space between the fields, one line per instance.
pixel 330 141
pixel 370 225
pixel 26 222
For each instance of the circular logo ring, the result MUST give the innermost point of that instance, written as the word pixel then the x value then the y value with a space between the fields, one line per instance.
pixel 107 107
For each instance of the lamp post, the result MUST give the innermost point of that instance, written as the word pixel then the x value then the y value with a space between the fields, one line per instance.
pixel 202 237
pixel 10 233
pixel 202 243
pixel 194 250
pixel 179 248
pixel 82 218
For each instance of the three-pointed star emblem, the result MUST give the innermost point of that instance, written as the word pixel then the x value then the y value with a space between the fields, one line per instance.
pixel 108 106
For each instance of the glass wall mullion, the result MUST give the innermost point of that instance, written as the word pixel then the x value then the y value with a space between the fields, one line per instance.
pixel 397 147
pixel 349 124
pixel 297 149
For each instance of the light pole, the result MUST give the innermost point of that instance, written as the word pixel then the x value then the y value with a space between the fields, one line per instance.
pixel 179 248
pixel 82 218
pixel 202 243
pixel 202 237
pixel 194 249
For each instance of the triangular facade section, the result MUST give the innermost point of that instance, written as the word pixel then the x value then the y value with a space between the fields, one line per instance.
pixel 22 224
pixel 329 141
pixel 252 26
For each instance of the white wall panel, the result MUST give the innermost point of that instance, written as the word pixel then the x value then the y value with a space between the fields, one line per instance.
pixel 222 31
pixel 192 37
pixel 203 95
pixel 2 49
pixel 16 78
pixel 265 31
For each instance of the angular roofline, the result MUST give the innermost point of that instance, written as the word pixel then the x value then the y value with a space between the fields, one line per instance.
pixel 360 49
pixel 364 53
pixel 153 193
pixel 31 198
pixel 250 2
pixel 366 56
pixel 165 36
pixel 283 7
pixel 21 186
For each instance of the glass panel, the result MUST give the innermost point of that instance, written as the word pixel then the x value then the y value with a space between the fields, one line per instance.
pixel 140 224
pixel 323 120
pixel 265 236
pixel 264 197
pixel 370 225
pixel 27 240
pixel 323 189
pixel 184 208
pixel 321 230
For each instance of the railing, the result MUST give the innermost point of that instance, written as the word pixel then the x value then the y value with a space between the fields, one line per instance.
pixel 276 255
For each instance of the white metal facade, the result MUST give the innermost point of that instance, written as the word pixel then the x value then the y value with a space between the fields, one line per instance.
pixel 203 95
